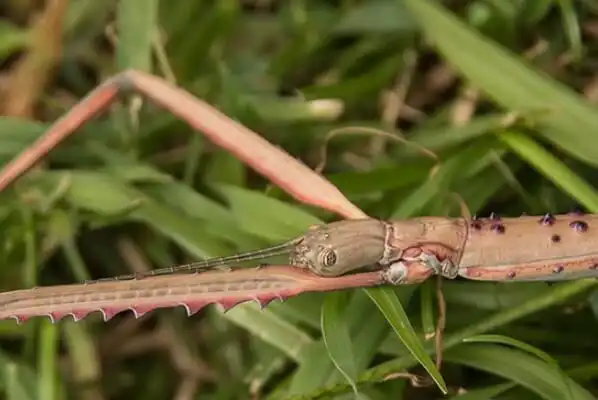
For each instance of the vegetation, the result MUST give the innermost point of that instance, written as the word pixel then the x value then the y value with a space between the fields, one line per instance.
pixel 499 93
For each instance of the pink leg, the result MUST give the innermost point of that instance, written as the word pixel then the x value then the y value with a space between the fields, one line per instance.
pixel 285 171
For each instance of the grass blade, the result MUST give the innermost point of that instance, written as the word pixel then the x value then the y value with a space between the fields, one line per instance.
pixel 518 366
pixel 389 305
pixel 335 333
pixel 136 24
pixel 552 168
pixel 562 117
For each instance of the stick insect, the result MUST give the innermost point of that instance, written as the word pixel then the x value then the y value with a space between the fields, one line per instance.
pixel 326 258
pixel 390 252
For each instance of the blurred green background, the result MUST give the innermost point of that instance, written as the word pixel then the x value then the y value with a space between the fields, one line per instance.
pixel 501 92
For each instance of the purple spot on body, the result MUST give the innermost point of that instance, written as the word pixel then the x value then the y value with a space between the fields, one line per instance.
pixel 555 238
pixel 594 266
pixel 511 274
pixel 579 226
pixel 547 219
pixel 558 269
pixel 498 228
pixel 477 225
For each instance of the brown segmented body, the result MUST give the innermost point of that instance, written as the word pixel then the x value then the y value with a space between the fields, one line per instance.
pixel 527 248
pixel 443 237
pixel 543 248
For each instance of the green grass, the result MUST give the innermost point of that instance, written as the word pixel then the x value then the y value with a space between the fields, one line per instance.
pixel 136 187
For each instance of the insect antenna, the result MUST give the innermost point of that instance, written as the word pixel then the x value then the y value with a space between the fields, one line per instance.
pixel 215 262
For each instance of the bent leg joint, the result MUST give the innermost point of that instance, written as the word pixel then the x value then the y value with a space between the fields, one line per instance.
pixel 395 273
pixel 445 268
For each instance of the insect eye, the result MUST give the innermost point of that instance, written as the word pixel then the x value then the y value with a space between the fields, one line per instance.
pixel 328 257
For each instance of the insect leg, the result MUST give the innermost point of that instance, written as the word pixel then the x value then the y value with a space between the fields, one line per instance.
pixel 445 268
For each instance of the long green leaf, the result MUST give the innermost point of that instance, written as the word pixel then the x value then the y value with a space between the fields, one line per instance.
pixel 137 28
pixel 269 327
pixel 518 366
pixel 561 115
pixel 389 305
pixel 335 333
pixel 552 168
